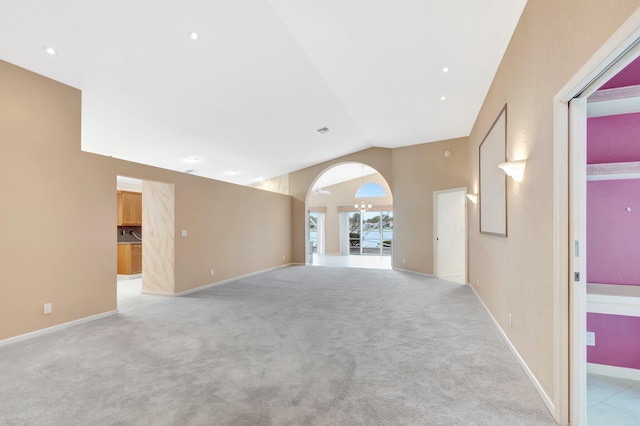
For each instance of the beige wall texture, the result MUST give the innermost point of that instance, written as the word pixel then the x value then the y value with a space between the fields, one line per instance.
pixel 343 194
pixel 552 41
pixel 58 214
pixel 412 173
pixel 418 171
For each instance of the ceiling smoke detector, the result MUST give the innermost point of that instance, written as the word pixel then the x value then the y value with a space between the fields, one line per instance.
pixel 323 130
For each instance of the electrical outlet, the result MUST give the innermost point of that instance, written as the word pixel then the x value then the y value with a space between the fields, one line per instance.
pixel 591 338
pixel 47 308
pixel 284 257
pixel 404 261
pixel 183 233
pixel 212 272
pixel 510 321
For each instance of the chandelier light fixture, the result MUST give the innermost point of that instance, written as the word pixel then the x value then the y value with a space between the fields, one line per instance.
pixel 358 205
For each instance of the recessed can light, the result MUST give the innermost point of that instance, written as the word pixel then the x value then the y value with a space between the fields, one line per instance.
pixel 259 179
pixel 444 69
pixel 194 36
pixel 49 50
pixel 232 172
pixel 442 98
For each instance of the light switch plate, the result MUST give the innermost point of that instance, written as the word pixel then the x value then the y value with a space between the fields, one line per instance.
pixel 184 233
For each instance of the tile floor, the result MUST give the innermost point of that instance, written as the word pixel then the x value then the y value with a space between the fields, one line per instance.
pixel 612 401
pixel 371 262
pixel 130 294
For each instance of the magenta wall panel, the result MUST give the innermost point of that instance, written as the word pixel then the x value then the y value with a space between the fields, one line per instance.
pixel 613 233
pixel 613 139
pixel 629 76
pixel 617 340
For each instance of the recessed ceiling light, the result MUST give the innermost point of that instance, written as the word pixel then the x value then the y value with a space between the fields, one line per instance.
pixel 232 172
pixel 442 98
pixel 259 179
pixel 444 69
pixel 192 159
pixel 323 130
pixel 49 50
pixel 194 36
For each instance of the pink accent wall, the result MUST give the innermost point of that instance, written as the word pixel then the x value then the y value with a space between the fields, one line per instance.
pixel 629 76
pixel 613 233
pixel 613 139
pixel 617 340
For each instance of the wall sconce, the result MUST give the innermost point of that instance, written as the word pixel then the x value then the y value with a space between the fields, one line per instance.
pixel 473 198
pixel 515 169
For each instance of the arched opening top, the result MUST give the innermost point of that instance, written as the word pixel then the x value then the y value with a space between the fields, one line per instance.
pixel 370 190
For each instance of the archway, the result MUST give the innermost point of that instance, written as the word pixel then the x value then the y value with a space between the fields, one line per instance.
pixel 349 218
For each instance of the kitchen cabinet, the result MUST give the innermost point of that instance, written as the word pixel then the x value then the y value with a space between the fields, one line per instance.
pixel 129 208
pixel 129 259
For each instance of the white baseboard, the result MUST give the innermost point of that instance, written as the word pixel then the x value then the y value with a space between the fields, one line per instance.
pixel 412 272
pixel 613 371
pixel 545 398
pixel 55 328
pixel 228 280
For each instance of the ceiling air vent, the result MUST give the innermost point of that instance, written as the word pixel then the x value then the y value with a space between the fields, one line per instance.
pixel 323 130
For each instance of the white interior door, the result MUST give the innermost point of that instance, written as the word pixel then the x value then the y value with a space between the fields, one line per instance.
pixel 450 245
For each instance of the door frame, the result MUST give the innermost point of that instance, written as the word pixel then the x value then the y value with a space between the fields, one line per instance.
pixel 570 299
pixel 435 229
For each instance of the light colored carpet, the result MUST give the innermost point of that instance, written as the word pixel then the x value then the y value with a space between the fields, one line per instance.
pixel 294 346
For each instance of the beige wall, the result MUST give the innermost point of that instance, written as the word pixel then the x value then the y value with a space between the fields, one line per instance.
pixel 413 173
pixel 58 214
pixel 418 171
pixel 551 42
pixel 343 194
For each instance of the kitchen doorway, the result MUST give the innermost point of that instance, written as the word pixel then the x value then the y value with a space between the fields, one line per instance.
pixel 145 242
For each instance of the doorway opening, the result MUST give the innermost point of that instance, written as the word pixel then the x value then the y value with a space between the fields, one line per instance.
pixel 145 241
pixel 604 121
pixel 450 242
pixel 350 218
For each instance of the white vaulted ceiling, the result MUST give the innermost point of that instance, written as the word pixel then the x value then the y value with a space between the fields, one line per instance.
pixel 244 100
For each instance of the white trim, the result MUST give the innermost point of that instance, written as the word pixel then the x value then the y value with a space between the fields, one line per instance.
pixel 413 272
pixel 55 328
pixel 228 280
pixel 578 290
pixel 613 107
pixel 615 93
pixel 613 371
pixel 613 171
pixel 613 176
pixel 613 299
pixel 545 398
